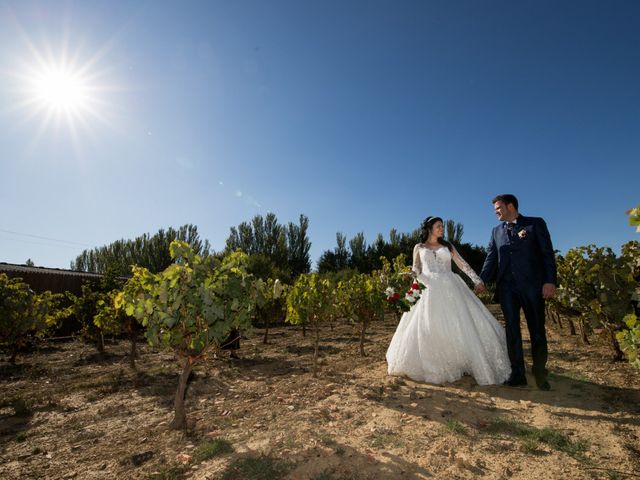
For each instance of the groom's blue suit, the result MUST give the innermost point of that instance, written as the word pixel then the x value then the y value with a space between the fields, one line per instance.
pixel 520 258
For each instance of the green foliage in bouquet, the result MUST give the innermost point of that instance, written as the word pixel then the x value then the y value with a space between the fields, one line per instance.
pixel 398 282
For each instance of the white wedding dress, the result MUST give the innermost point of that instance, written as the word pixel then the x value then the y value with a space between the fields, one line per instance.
pixel 448 332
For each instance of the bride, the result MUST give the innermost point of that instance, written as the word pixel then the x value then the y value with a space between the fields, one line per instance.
pixel 448 332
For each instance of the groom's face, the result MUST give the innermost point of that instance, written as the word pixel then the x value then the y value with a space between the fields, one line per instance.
pixel 504 212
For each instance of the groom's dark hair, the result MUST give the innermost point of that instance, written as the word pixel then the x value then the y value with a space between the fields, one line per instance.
pixel 506 198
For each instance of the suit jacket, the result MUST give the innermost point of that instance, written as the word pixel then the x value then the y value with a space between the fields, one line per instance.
pixel 522 254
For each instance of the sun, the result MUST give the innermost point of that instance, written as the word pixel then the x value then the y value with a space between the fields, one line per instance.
pixel 60 90
pixel 60 94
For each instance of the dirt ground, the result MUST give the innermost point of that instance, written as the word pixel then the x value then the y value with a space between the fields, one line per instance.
pixel 67 413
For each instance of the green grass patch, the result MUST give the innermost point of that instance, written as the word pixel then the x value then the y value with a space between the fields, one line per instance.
pixel 252 468
pixel 212 448
pixel 531 437
pixel 455 426
pixel 290 443
pixel 385 438
pixel 21 436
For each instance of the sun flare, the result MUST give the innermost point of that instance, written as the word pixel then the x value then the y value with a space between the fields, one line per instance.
pixel 60 89
pixel 61 93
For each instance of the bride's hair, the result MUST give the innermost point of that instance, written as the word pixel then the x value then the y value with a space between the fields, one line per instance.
pixel 427 226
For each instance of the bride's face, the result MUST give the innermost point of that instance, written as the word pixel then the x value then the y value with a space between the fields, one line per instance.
pixel 437 231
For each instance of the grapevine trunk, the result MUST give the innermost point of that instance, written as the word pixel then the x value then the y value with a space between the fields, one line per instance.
pixel 180 420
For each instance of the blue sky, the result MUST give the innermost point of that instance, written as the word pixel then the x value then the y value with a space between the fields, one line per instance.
pixel 363 115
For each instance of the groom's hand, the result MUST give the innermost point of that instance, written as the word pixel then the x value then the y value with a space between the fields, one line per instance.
pixel 548 290
pixel 480 288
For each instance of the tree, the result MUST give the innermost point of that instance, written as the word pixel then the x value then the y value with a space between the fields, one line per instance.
pixel 84 308
pixel 363 301
pixel 629 336
pixel 309 301
pixel 110 319
pixel 629 339
pixel 453 231
pixel 273 306
pixel 358 257
pixel 599 286
pixel 336 260
pixel 151 252
pixel 366 258
pixel 298 247
pixel 191 307
pixel 275 251
pixel 24 315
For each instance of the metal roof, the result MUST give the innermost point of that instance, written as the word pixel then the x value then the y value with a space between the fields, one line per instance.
pixel 11 267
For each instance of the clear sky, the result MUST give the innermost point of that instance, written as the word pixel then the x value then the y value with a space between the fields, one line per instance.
pixel 118 118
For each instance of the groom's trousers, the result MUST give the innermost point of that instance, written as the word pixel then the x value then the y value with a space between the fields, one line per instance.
pixel 513 298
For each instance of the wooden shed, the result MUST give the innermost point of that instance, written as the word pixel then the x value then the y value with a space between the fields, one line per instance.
pixel 56 280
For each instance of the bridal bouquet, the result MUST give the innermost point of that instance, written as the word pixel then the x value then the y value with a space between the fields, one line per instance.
pixel 404 303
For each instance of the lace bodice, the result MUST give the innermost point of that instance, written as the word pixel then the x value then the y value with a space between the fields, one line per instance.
pixel 426 261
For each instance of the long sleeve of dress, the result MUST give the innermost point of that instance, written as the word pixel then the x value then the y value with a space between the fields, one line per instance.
pixel 417 265
pixel 464 266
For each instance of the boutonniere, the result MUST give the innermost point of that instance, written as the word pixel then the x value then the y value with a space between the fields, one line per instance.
pixel 522 233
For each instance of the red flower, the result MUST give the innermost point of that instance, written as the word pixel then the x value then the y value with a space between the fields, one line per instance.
pixel 415 286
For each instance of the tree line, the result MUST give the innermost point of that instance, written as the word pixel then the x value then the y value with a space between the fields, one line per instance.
pixel 358 256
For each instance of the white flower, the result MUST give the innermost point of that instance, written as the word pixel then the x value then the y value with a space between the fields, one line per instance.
pixel 410 298
pixel 389 291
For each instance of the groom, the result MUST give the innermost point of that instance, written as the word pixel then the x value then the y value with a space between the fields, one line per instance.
pixel 520 258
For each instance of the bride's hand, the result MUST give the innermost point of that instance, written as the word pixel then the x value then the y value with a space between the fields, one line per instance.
pixel 480 288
